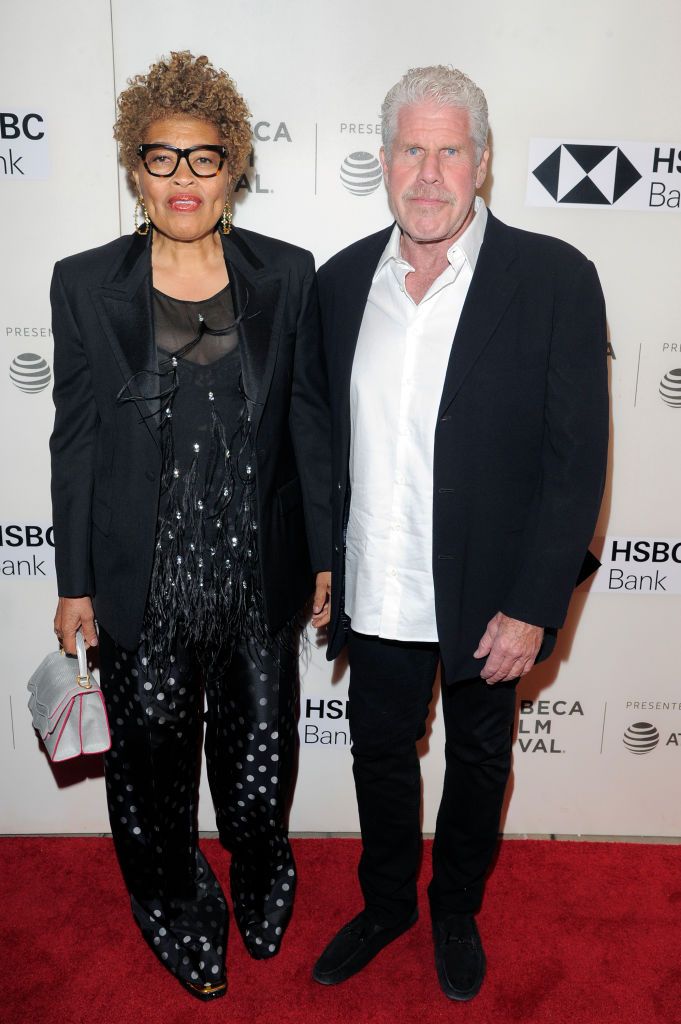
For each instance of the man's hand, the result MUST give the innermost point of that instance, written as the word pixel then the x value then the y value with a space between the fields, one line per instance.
pixel 321 605
pixel 510 647
pixel 74 613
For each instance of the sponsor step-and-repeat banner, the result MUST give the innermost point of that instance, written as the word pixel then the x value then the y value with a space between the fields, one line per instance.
pixel 580 150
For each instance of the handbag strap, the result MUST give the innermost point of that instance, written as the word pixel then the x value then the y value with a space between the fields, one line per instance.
pixel 83 676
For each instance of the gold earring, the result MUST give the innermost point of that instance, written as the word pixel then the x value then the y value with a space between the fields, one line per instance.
pixel 141 229
pixel 226 220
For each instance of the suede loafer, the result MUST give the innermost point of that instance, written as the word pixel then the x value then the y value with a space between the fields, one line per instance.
pixel 355 945
pixel 459 956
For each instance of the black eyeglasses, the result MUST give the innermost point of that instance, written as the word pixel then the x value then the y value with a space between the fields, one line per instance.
pixel 162 161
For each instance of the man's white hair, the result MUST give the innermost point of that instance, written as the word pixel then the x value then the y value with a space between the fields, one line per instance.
pixel 447 87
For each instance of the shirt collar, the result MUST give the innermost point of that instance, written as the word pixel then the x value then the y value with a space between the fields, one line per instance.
pixel 469 243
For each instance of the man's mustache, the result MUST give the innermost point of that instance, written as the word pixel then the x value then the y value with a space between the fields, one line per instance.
pixel 430 193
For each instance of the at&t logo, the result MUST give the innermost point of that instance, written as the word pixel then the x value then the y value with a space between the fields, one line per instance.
pixel 361 173
pixel 670 388
pixel 644 737
pixel 641 738
pixel 30 373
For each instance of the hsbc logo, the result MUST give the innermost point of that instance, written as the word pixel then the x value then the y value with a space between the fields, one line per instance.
pixel 591 175
pixel 26 551
pixel 639 565
pixel 23 145
pixel 616 175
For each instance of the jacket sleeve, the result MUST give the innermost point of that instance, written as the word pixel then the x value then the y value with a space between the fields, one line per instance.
pixel 573 455
pixel 310 424
pixel 72 446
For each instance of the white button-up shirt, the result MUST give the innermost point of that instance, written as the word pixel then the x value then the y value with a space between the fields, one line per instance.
pixel 398 374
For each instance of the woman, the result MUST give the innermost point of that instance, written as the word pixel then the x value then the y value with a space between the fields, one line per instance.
pixel 189 453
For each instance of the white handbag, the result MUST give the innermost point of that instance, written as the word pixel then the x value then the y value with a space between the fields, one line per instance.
pixel 67 706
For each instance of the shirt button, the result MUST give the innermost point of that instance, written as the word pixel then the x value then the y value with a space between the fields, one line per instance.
pixel 393 572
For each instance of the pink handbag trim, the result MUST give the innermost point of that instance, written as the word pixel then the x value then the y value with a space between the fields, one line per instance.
pixel 81 753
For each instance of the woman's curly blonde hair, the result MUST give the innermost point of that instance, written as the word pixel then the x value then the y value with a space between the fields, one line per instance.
pixel 183 85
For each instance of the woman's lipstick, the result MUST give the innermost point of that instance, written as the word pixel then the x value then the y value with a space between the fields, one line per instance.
pixel 184 202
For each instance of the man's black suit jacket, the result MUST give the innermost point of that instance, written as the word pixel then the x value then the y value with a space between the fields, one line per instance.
pixel 106 459
pixel 521 438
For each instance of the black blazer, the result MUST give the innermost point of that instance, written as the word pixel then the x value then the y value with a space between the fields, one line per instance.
pixel 106 459
pixel 521 437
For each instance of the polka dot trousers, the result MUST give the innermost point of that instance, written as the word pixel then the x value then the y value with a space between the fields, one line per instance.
pixel 152 776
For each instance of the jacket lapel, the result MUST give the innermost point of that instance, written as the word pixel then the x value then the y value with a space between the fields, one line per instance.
pixel 124 307
pixel 494 283
pixel 259 298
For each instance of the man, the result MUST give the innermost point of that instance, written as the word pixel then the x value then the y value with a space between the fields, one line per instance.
pixel 467 365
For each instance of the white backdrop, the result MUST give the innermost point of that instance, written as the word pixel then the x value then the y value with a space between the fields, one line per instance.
pixel 599 729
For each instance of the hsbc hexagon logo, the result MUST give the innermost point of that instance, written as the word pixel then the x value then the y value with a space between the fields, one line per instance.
pixel 605 175
pixel 591 175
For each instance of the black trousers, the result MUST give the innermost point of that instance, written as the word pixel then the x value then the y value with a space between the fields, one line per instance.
pixel 152 778
pixel 391 686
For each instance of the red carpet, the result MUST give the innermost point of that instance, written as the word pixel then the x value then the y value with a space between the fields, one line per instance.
pixel 575 933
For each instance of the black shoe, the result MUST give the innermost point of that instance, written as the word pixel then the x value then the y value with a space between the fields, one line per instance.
pixel 355 945
pixel 459 956
pixel 204 992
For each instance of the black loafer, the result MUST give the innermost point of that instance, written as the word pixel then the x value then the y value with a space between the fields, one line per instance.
pixel 355 945
pixel 459 956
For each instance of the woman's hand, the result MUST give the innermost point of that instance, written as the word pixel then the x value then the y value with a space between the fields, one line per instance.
pixel 74 613
pixel 321 605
